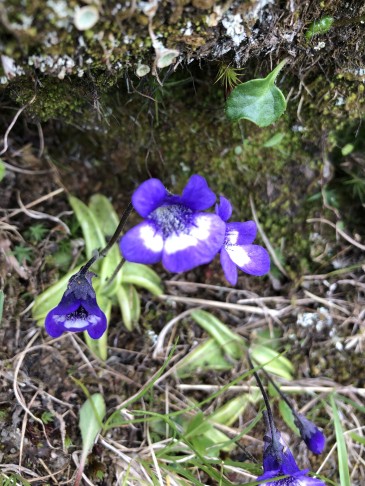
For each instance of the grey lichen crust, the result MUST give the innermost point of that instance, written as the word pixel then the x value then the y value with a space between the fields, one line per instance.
pixel 60 38
pixel 78 46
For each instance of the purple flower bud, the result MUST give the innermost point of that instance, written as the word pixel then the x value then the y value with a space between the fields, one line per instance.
pixel 310 433
pixel 78 310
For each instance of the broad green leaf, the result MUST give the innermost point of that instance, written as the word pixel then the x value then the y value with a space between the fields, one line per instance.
pixel 232 344
pixel 204 438
pixel 93 235
pixel 287 415
pixel 272 361
pixel 196 426
pixel 228 413
pixel 257 100
pixel 104 213
pixel 343 464
pixel 274 140
pixel 320 26
pixel 211 442
pixel 206 356
pixel 347 149
pixel 91 416
pixel 2 170
pixel 130 305
pixel 108 265
pixel 143 276
pixel 51 297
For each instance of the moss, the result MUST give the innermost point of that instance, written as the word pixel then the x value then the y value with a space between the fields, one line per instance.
pixel 54 98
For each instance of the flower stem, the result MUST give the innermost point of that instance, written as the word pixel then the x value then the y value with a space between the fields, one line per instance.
pixel 284 397
pixel 97 255
pixel 117 232
pixel 270 418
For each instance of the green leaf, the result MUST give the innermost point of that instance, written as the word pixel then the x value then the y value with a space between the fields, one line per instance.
pixel 93 235
pixel 357 438
pixel 272 361
pixel 130 305
pixel 51 297
pixel 1 304
pixel 108 265
pixel 347 149
pixel 287 415
pixel 196 426
pixel 104 213
pixel 206 356
pixel 257 100
pixel 274 140
pixel 228 413
pixel 320 26
pixel 91 415
pixel 232 344
pixel 2 170
pixel 143 276
pixel 343 464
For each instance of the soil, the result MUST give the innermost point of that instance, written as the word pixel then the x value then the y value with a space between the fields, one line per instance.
pixel 108 131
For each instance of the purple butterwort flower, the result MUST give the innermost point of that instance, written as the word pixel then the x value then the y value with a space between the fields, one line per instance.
pixel 310 433
pixel 238 250
pixel 174 230
pixel 78 309
pixel 279 461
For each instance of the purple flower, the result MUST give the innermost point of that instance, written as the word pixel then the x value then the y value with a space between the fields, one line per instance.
pixel 78 309
pixel 174 230
pixel 310 433
pixel 279 461
pixel 238 250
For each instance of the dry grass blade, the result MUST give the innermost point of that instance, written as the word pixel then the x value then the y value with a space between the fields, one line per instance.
pixel 338 230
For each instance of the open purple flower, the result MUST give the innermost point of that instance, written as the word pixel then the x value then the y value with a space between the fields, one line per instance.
pixel 310 433
pixel 238 250
pixel 279 461
pixel 174 230
pixel 78 309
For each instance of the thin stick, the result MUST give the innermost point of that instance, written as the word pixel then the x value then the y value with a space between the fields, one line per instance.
pixel 10 127
pixel 227 305
pixel 339 231
pixel 119 229
pixel 33 203
pixel 266 400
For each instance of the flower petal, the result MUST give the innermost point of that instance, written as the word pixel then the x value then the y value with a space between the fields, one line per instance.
pixel 142 244
pixel 224 209
pixel 252 259
pixel 52 324
pixel 148 196
pixel 197 195
pixel 57 316
pixel 229 268
pixel 184 251
pixel 98 325
pixel 241 233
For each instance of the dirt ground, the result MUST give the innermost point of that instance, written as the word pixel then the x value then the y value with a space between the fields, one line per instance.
pixel 106 133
